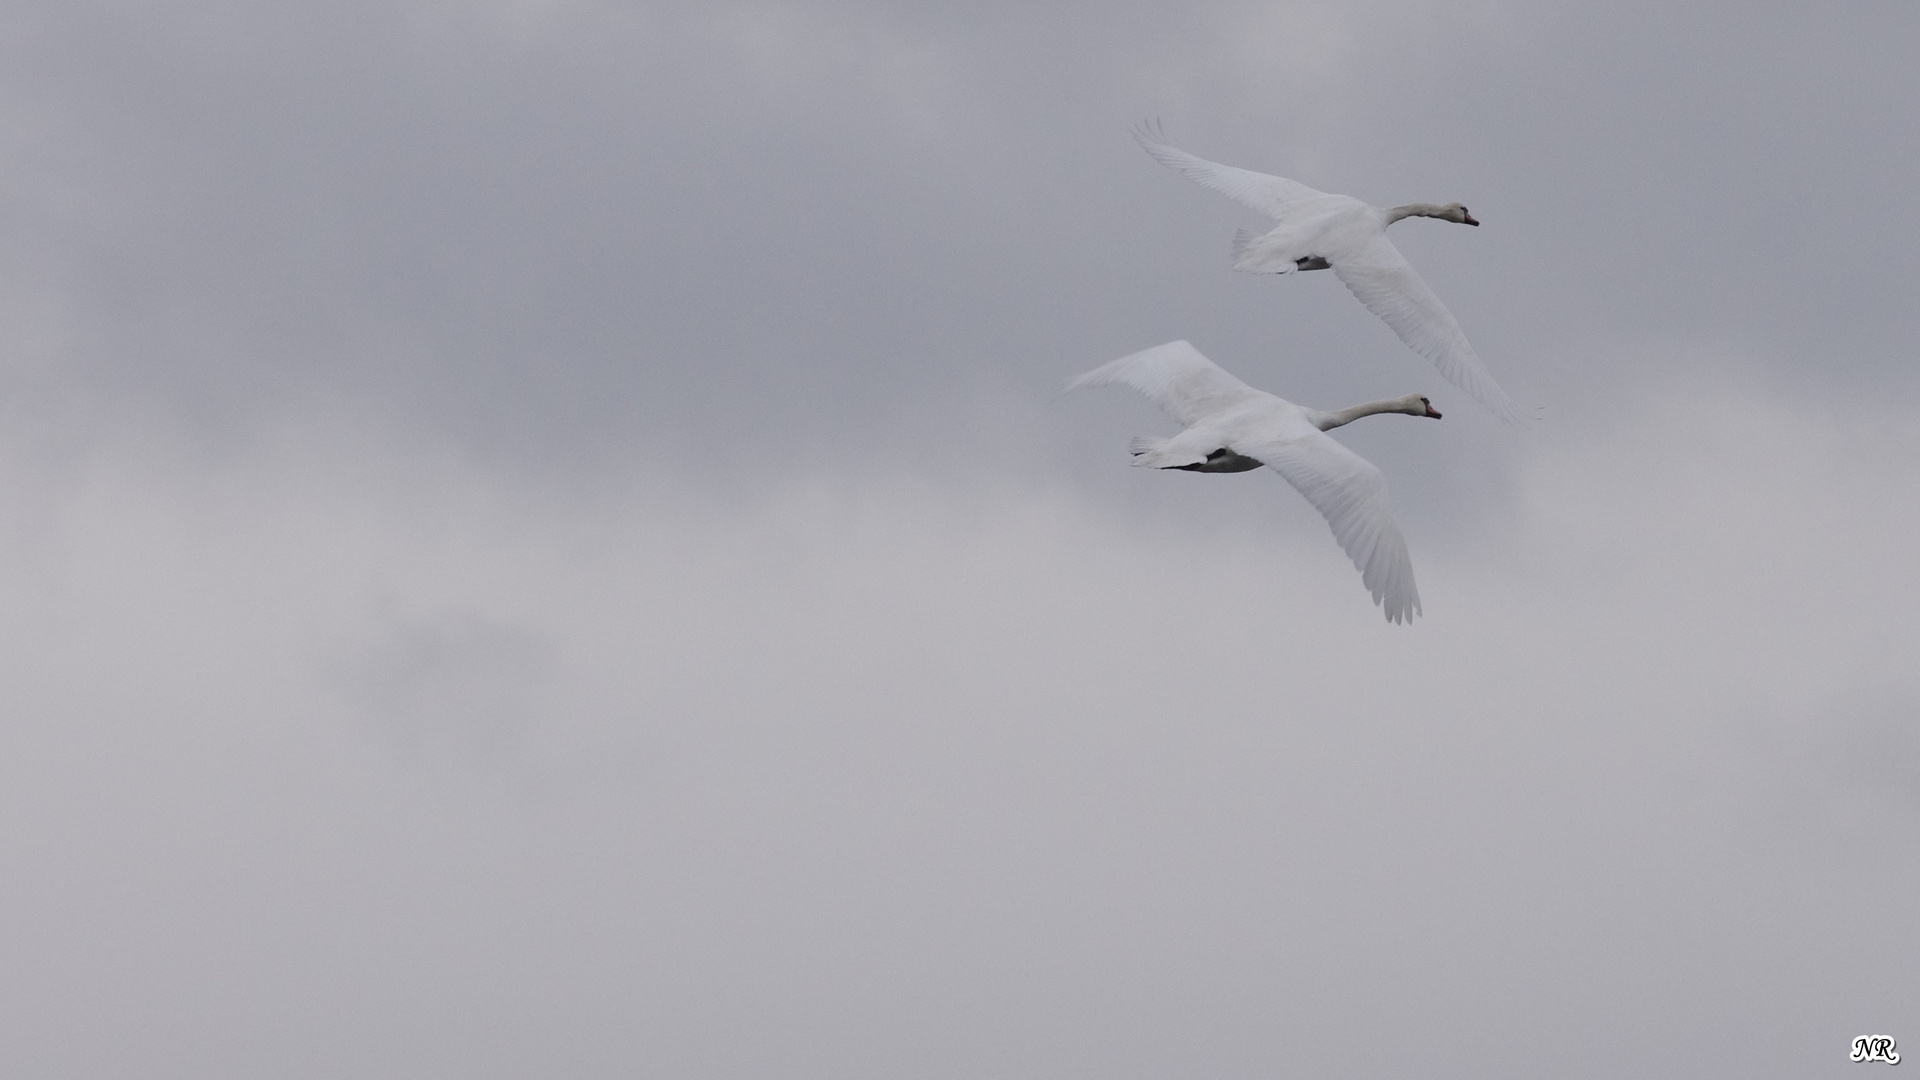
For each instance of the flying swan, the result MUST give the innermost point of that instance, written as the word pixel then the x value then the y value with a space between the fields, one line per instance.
pixel 1318 231
pixel 1231 427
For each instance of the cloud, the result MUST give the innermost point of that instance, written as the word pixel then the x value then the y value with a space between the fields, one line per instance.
pixel 867 767
pixel 537 538
pixel 453 677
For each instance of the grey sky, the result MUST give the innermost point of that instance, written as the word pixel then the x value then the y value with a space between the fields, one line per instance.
pixel 538 539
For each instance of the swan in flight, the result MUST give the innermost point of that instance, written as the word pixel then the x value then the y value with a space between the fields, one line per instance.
pixel 1231 427
pixel 1318 231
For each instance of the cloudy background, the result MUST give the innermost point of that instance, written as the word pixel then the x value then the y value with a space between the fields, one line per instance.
pixel 537 539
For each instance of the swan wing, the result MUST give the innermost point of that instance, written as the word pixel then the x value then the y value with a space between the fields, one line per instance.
pixel 1352 495
pixel 1386 283
pixel 1271 195
pixel 1186 385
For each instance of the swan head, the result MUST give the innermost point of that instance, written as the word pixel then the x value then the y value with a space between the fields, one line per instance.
pixel 1457 214
pixel 1419 406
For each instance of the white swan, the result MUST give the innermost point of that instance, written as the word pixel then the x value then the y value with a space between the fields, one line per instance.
pixel 1318 230
pixel 1231 427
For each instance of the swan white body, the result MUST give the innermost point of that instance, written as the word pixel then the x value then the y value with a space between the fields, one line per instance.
pixel 1318 231
pixel 1231 427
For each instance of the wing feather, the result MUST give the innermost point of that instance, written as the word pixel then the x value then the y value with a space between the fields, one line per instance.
pixel 1271 195
pixel 1352 495
pixel 1175 376
pixel 1386 283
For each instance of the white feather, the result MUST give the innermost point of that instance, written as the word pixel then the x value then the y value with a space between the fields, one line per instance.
pixel 1351 236
pixel 1219 411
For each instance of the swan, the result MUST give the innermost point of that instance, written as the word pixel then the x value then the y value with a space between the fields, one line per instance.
pixel 1231 427
pixel 1318 231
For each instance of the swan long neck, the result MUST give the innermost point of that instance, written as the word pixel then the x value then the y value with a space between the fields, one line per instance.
pixel 1418 209
pixel 1327 421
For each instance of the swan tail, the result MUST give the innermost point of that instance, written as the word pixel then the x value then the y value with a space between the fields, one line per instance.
pixel 1248 261
pixel 1242 240
pixel 1151 453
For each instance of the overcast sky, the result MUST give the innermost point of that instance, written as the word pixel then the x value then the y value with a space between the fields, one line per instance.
pixel 538 538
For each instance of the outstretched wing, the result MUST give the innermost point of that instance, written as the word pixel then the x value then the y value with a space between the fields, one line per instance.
pixel 1174 376
pixel 1352 495
pixel 1386 283
pixel 1271 195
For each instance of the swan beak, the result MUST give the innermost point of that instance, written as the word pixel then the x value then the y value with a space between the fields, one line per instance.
pixel 1467 219
pixel 1433 412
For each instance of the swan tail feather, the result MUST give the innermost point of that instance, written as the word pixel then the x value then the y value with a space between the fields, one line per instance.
pixel 1241 240
pixel 1151 453
pixel 1248 261
pixel 1144 444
